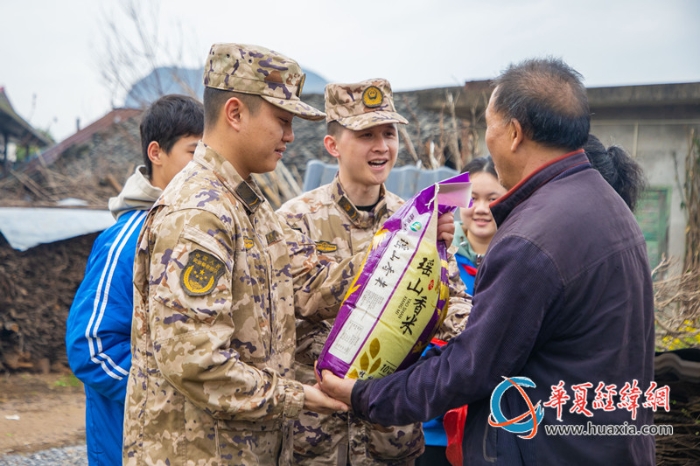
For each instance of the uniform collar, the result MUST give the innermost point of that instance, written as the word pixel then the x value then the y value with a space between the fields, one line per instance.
pixel 246 191
pixel 358 218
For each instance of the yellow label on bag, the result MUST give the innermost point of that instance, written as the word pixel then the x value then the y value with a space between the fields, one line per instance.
pixel 396 305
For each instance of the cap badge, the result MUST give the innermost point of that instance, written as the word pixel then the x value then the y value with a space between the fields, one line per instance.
pixel 372 97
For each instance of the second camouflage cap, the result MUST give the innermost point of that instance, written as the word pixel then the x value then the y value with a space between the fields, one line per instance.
pixel 251 69
pixel 361 105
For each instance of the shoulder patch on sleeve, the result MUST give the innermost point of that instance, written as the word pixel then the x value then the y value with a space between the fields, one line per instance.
pixel 201 273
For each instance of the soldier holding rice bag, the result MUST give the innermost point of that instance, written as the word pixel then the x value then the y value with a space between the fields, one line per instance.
pixel 215 275
pixel 563 296
pixel 398 299
pixel 218 279
pixel 342 217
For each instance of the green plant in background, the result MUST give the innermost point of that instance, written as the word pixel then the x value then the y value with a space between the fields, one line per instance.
pixel 68 381
pixel 24 152
pixel 689 338
pixel 677 295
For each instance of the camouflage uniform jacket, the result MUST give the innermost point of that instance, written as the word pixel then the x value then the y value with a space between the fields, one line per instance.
pixel 340 229
pixel 213 333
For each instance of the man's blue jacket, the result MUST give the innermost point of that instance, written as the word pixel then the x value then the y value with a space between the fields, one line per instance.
pixel 98 334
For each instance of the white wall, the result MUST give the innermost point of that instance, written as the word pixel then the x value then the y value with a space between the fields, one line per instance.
pixel 654 144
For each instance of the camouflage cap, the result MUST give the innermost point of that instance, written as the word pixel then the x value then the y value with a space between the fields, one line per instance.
pixel 361 105
pixel 251 69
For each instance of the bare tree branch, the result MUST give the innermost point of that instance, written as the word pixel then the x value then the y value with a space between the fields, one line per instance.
pixel 134 47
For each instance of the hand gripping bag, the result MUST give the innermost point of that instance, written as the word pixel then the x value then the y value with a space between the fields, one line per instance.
pixel 399 297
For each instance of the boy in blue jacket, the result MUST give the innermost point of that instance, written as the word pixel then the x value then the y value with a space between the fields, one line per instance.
pixel 98 335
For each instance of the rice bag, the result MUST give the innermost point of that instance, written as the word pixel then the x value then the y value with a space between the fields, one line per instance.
pixel 398 299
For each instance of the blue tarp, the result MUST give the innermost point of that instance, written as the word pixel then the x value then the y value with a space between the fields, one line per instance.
pixel 404 181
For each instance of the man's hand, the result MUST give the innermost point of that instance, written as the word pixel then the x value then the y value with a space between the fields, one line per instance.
pixel 335 387
pixel 446 227
pixel 317 401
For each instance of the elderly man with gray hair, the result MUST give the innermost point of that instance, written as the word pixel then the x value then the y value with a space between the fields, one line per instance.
pixel 563 314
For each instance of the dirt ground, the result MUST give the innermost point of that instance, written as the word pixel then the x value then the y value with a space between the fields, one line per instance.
pixel 51 411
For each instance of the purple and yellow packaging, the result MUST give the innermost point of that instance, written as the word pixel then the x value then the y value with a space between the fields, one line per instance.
pixel 399 297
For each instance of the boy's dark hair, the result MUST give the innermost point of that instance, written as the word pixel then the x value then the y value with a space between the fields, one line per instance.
pixel 333 128
pixel 214 100
pixel 481 165
pixel 167 120
pixel 620 170
pixel 549 101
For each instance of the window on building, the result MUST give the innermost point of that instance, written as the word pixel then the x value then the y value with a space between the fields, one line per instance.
pixel 652 214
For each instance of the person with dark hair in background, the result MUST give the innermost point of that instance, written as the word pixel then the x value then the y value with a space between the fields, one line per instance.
pixel 342 218
pixel 563 300
pixel 473 233
pixel 476 228
pixel 98 333
pixel 616 166
pixel 212 343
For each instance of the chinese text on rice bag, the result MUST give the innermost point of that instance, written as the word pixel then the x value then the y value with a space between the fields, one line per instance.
pixel 399 297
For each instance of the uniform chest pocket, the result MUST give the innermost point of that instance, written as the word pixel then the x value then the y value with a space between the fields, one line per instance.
pixel 279 271
pixel 281 306
pixel 258 290
pixel 278 255
pixel 251 302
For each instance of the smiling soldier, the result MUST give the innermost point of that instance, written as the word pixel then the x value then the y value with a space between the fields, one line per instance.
pixel 215 277
pixel 342 218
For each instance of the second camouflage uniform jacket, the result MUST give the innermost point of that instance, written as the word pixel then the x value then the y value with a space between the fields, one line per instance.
pixel 342 230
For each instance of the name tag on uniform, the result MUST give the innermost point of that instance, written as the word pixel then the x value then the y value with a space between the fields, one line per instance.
pixel 325 246
pixel 273 237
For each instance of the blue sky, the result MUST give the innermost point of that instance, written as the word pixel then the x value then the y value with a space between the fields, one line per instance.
pixel 51 52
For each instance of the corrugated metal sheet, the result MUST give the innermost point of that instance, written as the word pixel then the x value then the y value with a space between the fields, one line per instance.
pixel 404 181
pixel 25 228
